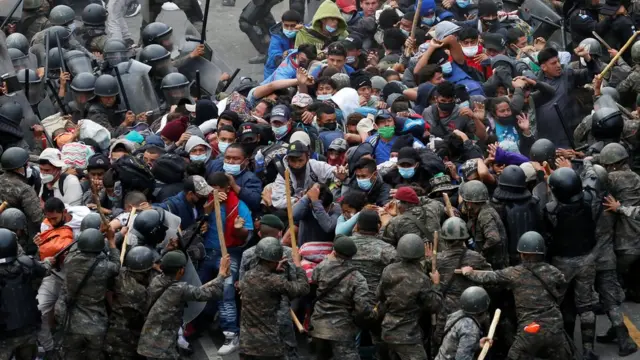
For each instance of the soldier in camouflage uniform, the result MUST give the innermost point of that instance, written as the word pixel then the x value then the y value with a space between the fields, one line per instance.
pixel 33 18
pixel 631 85
pixel 93 34
pixel 538 287
pixel 262 289
pixel 166 301
pixel 414 216
pixel 485 224
pixel 404 293
pixel 89 273
pixel 129 305
pixel 464 327
pixel 454 255
pixel 13 219
pixel 342 295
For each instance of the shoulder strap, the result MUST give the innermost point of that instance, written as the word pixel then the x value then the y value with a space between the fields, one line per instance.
pixel 63 176
pixel 544 284
pixel 332 285
pixel 420 226
pixel 447 286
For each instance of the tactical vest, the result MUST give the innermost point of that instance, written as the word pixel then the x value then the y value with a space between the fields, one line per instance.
pixel 18 302
pixel 573 228
pixel 521 216
pixel 459 76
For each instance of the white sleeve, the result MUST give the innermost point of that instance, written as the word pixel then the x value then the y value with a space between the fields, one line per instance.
pixel 72 191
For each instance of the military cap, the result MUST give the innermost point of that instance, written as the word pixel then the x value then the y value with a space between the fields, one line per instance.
pixel 174 259
pixel 273 221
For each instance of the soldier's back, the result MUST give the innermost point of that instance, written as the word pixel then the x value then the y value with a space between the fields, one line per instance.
pixel 462 338
pixel 537 288
pixel 372 257
pixel 128 313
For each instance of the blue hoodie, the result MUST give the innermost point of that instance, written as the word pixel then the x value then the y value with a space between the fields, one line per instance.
pixel 278 45
pixel 286 70
pixel 250 185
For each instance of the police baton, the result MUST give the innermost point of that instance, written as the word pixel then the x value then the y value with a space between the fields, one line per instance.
pixel 595 34
pixel 564 125
pixel 615 58
pixel 13 10
pixel 416 21
pixel 4 206
pixel 123 92
pixel 492 331
pixel 198 88
pixel 292 232
pixel 64 68
pixel 123 250
pixel 233 76
pixel 47 81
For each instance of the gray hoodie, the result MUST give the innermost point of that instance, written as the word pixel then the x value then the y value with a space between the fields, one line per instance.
pixel 195 141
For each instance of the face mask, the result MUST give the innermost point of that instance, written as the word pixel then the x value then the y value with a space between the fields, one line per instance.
pixel 490 23
pixel 324 97
pixel 447 68
pixel 222 146
pixel 280 132
pixel 407 173
pixel 405 32
pixel 200 203
pixel 113 199
pixel 290 33
pixel 462 3
pixel 202 157
pixel 330 29
pixel 232 169
pixel 250 147
pixel 387 131
pixel 298 171
pixel 71 27
pixel 507 120
pixel 330 126
pixel 428 20
pixel 29 172
pixel 347 17
pixel 351 59
pixel 446 107
pixel 46 178
pixel 470 51
pixel 365 184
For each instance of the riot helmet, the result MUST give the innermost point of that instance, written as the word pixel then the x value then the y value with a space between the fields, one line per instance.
pixel 14 158
pixel 83 86
pixel 91 241
pixel 19 59
pixel 55 62
pixel 512 185
pixel 543 150
pixel 474 191
pixel 36 91
pixel 31 5
pixel 106 85
pixel 592 46
pixel 175 87
pixel 158 33
pixel 13 219
pixel 94 15
pixel 18 41
pixel 62 15
pixel 635 52
pixel 11 112
pixel 474 300
pixel 602 175
pixel 454 228
pixel 565 185
pixel 63 33
pixel 139 259
pixel 8 246
pixel 607 124
pixel 77 62
pixel 91 221
pixel 149 226
pixel 531 243
pixel 269 249
pixel 410 247
pixel 158 58
pixel 613 153
pixel 116 51
pixel 610 91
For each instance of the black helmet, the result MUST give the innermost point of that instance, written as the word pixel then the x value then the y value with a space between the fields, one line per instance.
pixel 155 30
pixel 269 249
pixel 14 158
pixel 18 41
pixel 149 226
pixel 91 221
pixel 83 82
pixel 63 33
pixel 174 80
pixel 543 150
pixel 139 259
pixel 531 243
pixel 114 45
pixel 13 219
pixel 153 53
pixel 94 15
pixel 25 74
pixel 410 247
pixel 11 112
pixel 607 124
pixel 474 300
pixel 512 184
pixel 54 59
pixel 8 246
pixel 565 185
pixel 91 241
pixel 61 15
pixel 106 85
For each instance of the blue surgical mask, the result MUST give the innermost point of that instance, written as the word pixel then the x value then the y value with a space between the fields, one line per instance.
pixel 232 169
pixel 72 27
pixel 290 33
pixel 222 146
pixel 330 29
pixel 113 199
pixel 280 131
pixel 407 173
pixel 447 68
pixel 351 59
pixel 365 184
pixel 405 32
pixel 429 20
pixel 324 97
pixel 202 157
pixel 462 3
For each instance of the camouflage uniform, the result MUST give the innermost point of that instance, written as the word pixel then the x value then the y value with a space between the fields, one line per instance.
pixel 166 302
pixel 86 321
pixel 261 294
pixel 404 293
pixel 128 312
pixel 372 257
pixel 18 194
pixel 72 43
pixel 332 319
pixel 462 339
pixel 430 213
pixel 490 236
pixel 534 303
pixel 631 84
pixel 32 22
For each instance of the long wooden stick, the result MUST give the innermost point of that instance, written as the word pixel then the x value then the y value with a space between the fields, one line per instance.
pixel 447 204
pixel 434 260
pixel 96 199
pixel 292 231
pixel 615 58
pixel 123 250
pixel 296 321
pixel 492 331
pixel 3 206
pixel 595 34
pixel 416 22
pixel 216 204
pixel 459 271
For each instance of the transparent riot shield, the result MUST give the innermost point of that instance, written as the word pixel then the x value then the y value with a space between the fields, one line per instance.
pixel 23 62
pixel 77 62
pixel 209 74
pixel 174 94
pixel 46 108
pixel 5 8
pixel 6 66
pixel 29 117
pixel 36 91
pixel 138 86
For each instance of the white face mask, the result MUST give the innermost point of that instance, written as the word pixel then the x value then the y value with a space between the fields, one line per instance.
pixel 46 178
pixel 584 63
pixel 470 51
pixel 347 17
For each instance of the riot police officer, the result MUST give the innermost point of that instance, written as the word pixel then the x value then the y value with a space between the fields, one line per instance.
pixel 104 108
pixel 149 228
pixel 191 9
pixel 115 52
pixel 33 18
pixel 583 19
pixel 62 15
pixel 18 41
pixel 255 21
pixel 82 88
pixel 159 59
pixel 176 89
pixel 93 33
pixel 91 221
pixel 162 34
pixel 606 127
pixel 36 93
pixel 14 220
pixel 19 59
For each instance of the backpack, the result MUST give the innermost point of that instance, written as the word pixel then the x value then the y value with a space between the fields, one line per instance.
pixel 54 240
pixel 134 174
pixel 76 154
pixel 48 193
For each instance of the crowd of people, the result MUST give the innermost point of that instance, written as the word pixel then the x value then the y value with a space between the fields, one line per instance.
pixel 402 171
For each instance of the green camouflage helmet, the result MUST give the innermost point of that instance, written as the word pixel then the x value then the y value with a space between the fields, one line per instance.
pixel 613 153
pixel 474 300
pixel 635 52
pixel 410 247
pixel 531 242
pixel 454 229
pixel 474 191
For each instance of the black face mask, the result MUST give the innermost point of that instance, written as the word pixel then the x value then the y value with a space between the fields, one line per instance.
pixel 330 126
pixel 490 23
pixel 507 120
pixel 299 171
pixel 250 147
pixel 446 107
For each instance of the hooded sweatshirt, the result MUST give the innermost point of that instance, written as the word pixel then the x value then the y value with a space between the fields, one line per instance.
pixel 441 127
pixel 195 141
pixel 313 34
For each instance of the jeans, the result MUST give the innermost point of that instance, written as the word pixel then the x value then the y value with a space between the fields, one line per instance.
pixel 227 306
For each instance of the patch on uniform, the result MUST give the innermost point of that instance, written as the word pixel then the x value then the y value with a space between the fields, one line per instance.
pixel 584 16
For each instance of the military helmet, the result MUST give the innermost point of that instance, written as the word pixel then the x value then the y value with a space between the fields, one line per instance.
pixel 592 45
pixel 30 5
pixel 513 176
pixel 91 241
pixel 410 247
pixel 14 158
pixel 153 31
pixel 18 41
pixel 344 245
pixel 531 242
pixel 565 185
pixel 16 54
pixel 607 123
pixel 91 221
pixel 61 15
pixel 94 15
pixel 153 53
pixel 54 59
pixel 139 259
pixel 454 228
pixel 106 85
pixel 635 52
pixel 13 219
pixel 8 246
pixel 602 175
pixel 610 91
pixel 29 74
pixel 174 80
pixel 149 225
pixel 474 191
pixel 543 150
pixel 83 82
pixel 63 33
pixel 474 300
pixel 613 153
pixel 269 249
pixel 11 112
pixel 114 46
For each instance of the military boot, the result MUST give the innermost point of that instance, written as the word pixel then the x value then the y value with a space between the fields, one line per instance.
pixel 588 354
pixel 609 338
pixel 626 345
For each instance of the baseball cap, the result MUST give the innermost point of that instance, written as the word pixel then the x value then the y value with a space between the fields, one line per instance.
pixel 352 42
pixel 52 156
pixel 395 97
pixel 383 114
pixel 297 149
pixel 301 136
pixel 529 171
pixel 248 131
pixel 200 185
pixel 339 144
pixel 190 107
pixel 493 41
pixel 301 100
pixel 280 113
pixel 99 161
pixel 407 155
pixel 347 6
pixel 378 82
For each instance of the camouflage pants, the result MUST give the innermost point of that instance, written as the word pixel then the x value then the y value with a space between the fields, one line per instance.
pixel 346 350
pixel 407 351
pixel 611 295
pixel 82 347
pixel 21 347
pixel 582 271
pixel 546 344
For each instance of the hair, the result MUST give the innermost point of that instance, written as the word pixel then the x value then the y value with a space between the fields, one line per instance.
pixel 389 72
pixel 372 71
pixel 354 119
pixel 196 168
pixel 325 109
pixel 421 36
pixel 468 32
pixel 266 231
pixel 393 39
pixel 238 146
pixel 428 72
pixel 155 150
pixel 108 180
pixel 388 18
pixel 409 15
pixel 189 185
pixel 329 71
pixel 234 119
pixel 218 179
pixel 134 198
pixel 364 163
pixel 326 80
pixel 494 102
pixel 326 196
pixel 268 102
pixel 446 89
pixel 227 128
pixel 368 221
pixel 54 205
pixel 513 35
pixel 170 271
pixel 173 116
pixel 337 49
pixel 309 50
pixel 291 15
pixel 547 54
pixel 355 199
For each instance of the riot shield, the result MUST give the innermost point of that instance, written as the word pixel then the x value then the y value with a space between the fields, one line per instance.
pixel 38 52
pixel 7 6
pixel 540 9
pixel 6 66
pixel 46 108
pixel 180 24
pixel 30 118
pixel 77 62
pixel 194 308
pixel 209 74
pixel 138 86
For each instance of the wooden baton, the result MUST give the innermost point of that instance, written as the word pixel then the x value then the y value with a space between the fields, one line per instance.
pixel 434 260
pixel 595 34
pixel 292 233
pixel 447 204
pixel 492 331
pixel 615 58
pixel 416 21
pixel 216 204
pixel 3 206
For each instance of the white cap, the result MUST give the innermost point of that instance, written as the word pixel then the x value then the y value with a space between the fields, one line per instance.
pixel 529 171
pixel 53 156
pixel 301 136
pixel 190 107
